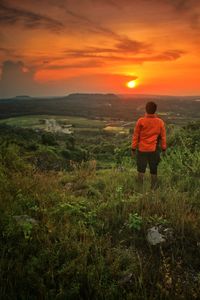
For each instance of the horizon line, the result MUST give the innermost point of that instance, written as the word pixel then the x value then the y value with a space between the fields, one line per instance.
pixel 98 93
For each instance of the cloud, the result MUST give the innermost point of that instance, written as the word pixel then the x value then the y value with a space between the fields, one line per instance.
pixel 91 26
pixel 181 5
pixel 23 82
pixel 85 64
pixel 16 79
pixel 122 46
pixel 187 10
pixel 126 45
pixel 171 55
pixel 96 36
pixel 96 60
pixel 12 15
pixel 131 52
pixel 7 51
pixel 3 50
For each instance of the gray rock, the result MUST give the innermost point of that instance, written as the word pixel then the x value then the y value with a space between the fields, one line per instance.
pixel 154 237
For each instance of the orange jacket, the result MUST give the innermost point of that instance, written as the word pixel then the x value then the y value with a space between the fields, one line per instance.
pixel 147 133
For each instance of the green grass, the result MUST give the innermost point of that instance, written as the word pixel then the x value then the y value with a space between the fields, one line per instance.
pixel 25 121
pixel 32 121
pixel 84 246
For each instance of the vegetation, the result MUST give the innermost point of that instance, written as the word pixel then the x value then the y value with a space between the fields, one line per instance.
pixel 74 221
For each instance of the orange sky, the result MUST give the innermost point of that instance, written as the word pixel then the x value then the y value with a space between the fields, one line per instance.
pixel 55 47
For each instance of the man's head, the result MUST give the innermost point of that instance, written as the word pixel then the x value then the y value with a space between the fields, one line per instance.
pixel 151 107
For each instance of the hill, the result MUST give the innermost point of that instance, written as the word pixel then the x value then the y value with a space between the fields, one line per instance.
pixel 102 106
pixel 82 232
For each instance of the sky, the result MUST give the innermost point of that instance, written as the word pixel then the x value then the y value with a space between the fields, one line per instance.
pixel 57 47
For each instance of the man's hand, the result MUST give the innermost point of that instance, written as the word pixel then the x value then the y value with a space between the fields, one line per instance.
pixel 132 153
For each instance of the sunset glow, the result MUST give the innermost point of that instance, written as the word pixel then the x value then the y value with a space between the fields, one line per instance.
pixel 58 47
pixel 131 84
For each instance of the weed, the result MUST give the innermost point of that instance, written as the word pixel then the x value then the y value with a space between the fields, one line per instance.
pixel 135 221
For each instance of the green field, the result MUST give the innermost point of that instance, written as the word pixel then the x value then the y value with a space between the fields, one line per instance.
pixel 34 121
pixel 79 124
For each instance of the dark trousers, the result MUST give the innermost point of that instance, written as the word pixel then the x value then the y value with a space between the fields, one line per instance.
pixel 148 158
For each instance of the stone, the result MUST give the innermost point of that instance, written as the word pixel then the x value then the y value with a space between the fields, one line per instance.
pixel 154 237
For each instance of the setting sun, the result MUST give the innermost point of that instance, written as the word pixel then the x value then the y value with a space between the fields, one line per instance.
pixel 131 84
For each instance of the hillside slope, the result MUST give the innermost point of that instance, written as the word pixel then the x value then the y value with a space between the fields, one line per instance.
pixel 82 233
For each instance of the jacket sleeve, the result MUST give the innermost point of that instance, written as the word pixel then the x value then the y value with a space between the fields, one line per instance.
pixel 163 137
pixel 136 135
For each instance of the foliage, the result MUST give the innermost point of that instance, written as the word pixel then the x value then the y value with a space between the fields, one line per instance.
pixel 135 221
pixel 80 232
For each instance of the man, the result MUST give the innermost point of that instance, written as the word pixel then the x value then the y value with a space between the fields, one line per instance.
pixel 148 133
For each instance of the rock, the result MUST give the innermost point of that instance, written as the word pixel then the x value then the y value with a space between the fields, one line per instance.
pixel 25 219
pixel 154 237
pixel 126 279
pixel 160 235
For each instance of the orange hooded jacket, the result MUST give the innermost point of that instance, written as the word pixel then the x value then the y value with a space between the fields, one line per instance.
pixel 149 131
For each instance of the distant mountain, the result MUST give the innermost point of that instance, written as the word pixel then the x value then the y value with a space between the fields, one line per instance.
pixel 22 97
pixel 126 107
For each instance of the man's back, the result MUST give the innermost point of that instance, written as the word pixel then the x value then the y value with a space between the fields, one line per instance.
pixel 148 130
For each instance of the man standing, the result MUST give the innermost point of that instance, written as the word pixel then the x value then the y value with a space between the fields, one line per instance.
pixel 148 133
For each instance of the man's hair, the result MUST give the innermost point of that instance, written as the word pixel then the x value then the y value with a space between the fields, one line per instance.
pixel 151 107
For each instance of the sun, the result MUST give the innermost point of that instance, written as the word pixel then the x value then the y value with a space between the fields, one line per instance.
pixel 131 84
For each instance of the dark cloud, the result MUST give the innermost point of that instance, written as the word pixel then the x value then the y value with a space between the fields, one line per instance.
pixel 111 3
pixel 12 15
pixel 16 79
pixel 123 46
pixel 5 50
pixel 86 64
pixel 170 55
pixel 126 45
pixel 91 25
pixel 15 69
pixel 129 52
pixel 181 5
pixel 187 9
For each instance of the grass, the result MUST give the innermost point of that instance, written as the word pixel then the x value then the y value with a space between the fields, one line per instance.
pixel 90 236
pixel 32 121
pixel 83 244
pixel 29 121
